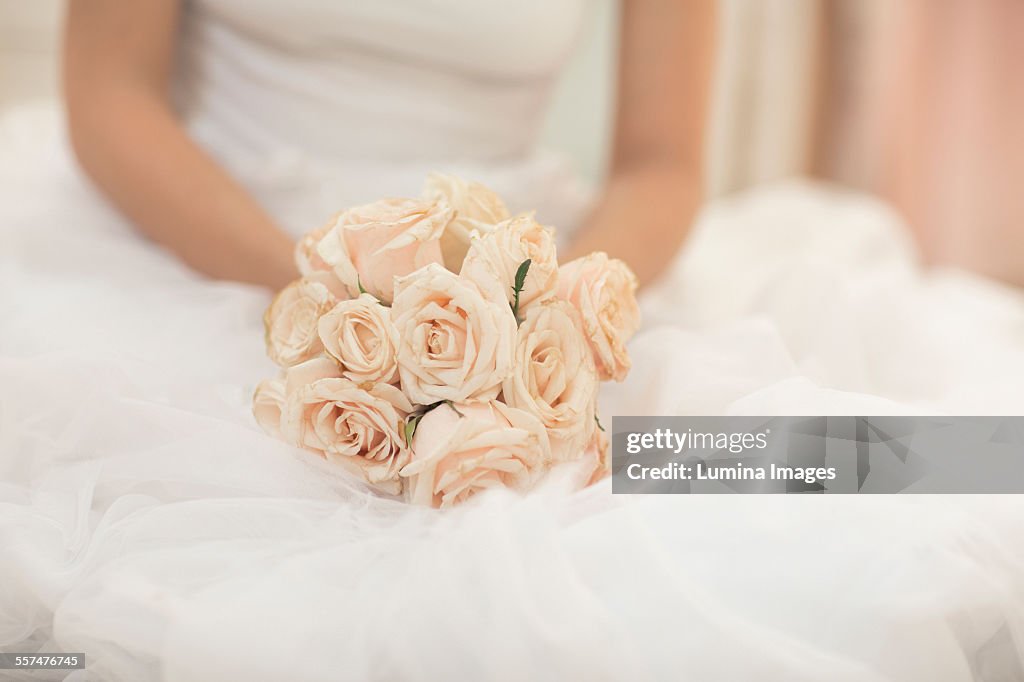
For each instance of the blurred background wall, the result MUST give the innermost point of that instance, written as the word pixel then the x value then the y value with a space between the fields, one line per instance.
pixel 28 48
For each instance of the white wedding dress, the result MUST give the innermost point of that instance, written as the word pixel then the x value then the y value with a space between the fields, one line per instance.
pixel 146 521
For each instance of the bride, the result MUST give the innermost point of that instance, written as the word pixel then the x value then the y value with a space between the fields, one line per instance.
pixel 173 105
pixel 148 523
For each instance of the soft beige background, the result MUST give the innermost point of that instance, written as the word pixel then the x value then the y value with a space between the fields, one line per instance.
pixel 28 37
pixel 762 108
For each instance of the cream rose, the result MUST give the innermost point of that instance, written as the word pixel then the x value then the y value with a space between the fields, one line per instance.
pixel 268 406
pixel 455 339
pixel 359 335
pixel 290 323
pixel 477 211
pixel 369 246
pixel 553 377
pixel 307 260
pixel 359 427
pixel 603 290
pixel 461 450
pixel 498 255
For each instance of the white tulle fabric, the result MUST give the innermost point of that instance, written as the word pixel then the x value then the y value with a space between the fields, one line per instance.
pixel 146 521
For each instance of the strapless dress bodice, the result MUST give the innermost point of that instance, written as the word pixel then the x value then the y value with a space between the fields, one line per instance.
pixel 336 101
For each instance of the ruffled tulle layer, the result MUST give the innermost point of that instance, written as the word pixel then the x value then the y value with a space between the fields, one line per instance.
pixel 146 521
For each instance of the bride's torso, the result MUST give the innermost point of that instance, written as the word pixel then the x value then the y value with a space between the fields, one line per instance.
pixel 333 101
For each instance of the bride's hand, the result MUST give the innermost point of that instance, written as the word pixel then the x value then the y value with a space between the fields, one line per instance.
pixel 117 61
pixel 655 183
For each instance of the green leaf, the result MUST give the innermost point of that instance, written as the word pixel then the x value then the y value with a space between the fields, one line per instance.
pixel 410 428
pixel 520 282
pixel 360 285
pixel 598 420
pixel 521 273
pixel 454 409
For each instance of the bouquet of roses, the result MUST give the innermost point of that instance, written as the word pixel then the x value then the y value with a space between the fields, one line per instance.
pixel 434 347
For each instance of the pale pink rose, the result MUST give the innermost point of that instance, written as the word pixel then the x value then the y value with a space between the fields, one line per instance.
pixel 290 323
pixel 305 373
pixel 369 246
pixel 462 449
pixel 359 335
pixel 307 260
pixel 268 406
pixel 312 267
pixel 477 211
pixel 359 427
pixel 498 255
pixel 455 339
pixel 553 377
pixel 331 281
pixel 603 290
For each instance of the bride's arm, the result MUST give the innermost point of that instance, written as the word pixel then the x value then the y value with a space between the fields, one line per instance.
pixel 117 61
pixel 655 184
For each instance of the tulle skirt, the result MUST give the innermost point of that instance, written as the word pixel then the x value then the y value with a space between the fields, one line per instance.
pixel 148 523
